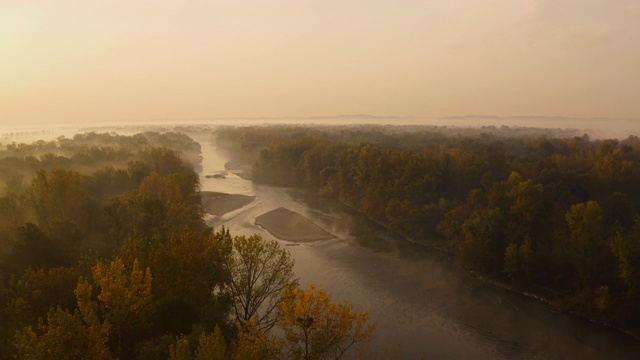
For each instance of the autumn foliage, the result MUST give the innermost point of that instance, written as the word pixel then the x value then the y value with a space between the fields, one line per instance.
pixel 316 328
pixel 105 255
pixel 546 211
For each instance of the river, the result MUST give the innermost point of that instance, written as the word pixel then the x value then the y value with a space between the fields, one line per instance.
pixel 425 306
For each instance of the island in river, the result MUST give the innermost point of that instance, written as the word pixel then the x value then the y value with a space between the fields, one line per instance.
pixel 290 226
pixel 218 204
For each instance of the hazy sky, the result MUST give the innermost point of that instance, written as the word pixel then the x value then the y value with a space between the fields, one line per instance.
pixel 99 60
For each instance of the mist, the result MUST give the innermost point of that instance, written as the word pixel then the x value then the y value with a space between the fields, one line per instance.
pixel 595 128
pixel 472 168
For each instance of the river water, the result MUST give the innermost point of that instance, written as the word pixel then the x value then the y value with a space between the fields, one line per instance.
pixel 424 305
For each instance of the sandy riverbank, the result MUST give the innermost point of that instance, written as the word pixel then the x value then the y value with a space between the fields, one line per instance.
pixel 218 204
pixel 291 226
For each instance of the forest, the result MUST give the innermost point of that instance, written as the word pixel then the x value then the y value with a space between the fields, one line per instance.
pixel 550 213
pixel 104 254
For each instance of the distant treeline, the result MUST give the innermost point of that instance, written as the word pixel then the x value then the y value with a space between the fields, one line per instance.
pixel 90 152
pixel 552 214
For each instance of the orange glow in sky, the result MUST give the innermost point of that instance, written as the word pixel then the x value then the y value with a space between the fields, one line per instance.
pixel 105 60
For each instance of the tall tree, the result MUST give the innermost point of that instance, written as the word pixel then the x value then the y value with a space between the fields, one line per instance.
pixel 586 239
pixel 162 207
pixel 316 328
pixel 65 335
pixel 260 271
pixel 125 297
pixel 58 195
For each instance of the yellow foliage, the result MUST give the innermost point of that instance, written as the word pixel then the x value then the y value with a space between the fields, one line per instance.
pixel 123 295
pixel 260 270
pixel 77 335
pixel 314 327
pixel 212 346
pixel 180 351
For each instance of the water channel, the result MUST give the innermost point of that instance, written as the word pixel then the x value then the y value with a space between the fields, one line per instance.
pixel 425 306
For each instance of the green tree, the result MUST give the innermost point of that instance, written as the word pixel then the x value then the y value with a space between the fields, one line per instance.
pixel 482 238
pixel 37 249
pixel 120 214
pixel 626 248
pixel 518 262
pixel 66 211
pixel 13 213
pixel 585 241
pixel 162 207
pixel 525 199
pixel 58 195
pixel 190 278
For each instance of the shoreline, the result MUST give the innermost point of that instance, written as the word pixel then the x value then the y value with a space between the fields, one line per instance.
pixel 488 279
pixel 499 284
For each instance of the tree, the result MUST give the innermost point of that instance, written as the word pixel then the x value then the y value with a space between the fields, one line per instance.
pixel 120 214
pixel 526 203
pixel 626 248
pixel 586 243
pixel 260 271
pixel 482 237
pixel 212 346
pixel 58 196
pixel 316 328
pixel 77 335
pixel 35 248
pixel 13 213
pixel 253 344
pixel 250 344
pixel 125 297
pixel 517 262
pixel 66 211
pixel 190 278
pixel 162 207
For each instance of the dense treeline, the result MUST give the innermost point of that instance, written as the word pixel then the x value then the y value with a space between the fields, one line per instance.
pixel 90 152
pixel 245 143
pixel 67 188
pixel 70 202
pixel 556 216
pixel 116 262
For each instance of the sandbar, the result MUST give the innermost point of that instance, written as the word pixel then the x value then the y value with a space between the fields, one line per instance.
pixel 291 226
pixel 218 204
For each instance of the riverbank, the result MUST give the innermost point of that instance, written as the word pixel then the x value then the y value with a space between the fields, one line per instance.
pixel 551 303
pixel 554 305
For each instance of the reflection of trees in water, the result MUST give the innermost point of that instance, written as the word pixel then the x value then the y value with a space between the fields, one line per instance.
pixel 371 238
pixel 345 222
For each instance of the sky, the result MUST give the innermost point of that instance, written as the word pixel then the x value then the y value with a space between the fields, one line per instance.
pixel 120 60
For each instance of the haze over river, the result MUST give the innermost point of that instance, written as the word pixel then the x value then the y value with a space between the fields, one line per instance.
pixel 424 305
